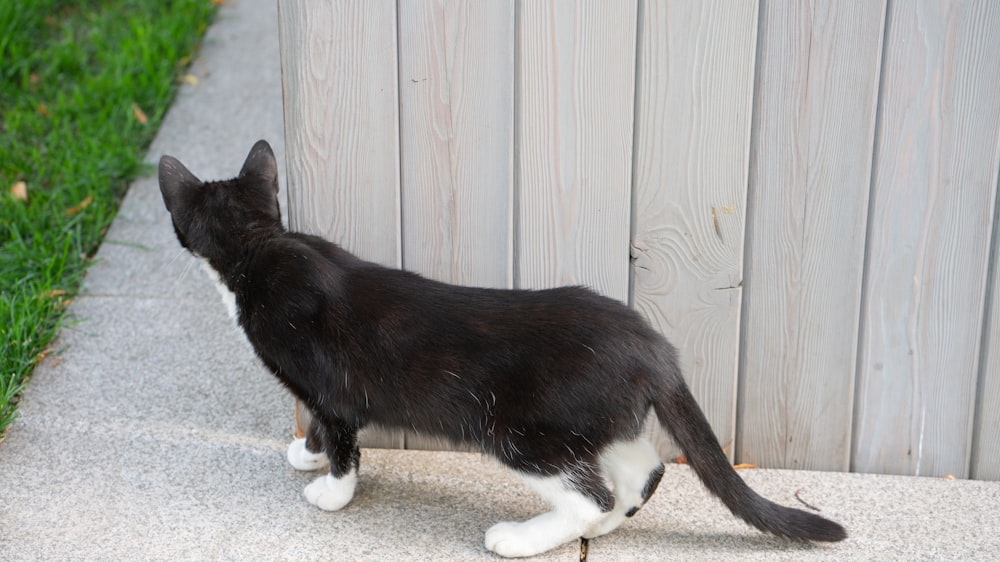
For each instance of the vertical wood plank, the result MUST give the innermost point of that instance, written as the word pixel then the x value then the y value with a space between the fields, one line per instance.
pixel 818 80
pixel 933 196
pixel 574 133
pixel 986 434
pixel 693 114
pixel 456 138
pixel 341 129
pixel 341 123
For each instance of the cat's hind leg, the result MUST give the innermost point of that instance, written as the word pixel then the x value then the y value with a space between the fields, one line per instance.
pixel 307 453
pixel 635 469
pixel 334 490
pixel 578 500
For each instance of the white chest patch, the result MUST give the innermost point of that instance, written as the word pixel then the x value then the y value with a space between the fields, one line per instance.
pixel 228 299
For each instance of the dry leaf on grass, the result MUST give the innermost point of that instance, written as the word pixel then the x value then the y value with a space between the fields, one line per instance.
pixel 41 356
pixel 43 109
pixel 139 114
pixel 19 190
pixel 76 209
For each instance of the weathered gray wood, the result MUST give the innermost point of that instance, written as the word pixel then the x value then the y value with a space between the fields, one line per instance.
pixel 457 150
pixel 693 114
pixel 424 173
pixel 932 209
pixel 424 442
pixel 368 437
pixel 341 128
pixel 818 79
pixel 341 123
pixel 986 433
pixel 574 136
pixel 456 128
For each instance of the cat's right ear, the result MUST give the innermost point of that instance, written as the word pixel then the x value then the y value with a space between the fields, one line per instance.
pixel 260 163
pixel 175 181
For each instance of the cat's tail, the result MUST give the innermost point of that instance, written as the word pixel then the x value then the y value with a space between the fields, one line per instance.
pixel 680 415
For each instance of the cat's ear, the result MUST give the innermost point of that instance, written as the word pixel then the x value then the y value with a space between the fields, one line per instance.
pixel 261 164
pixel 175 181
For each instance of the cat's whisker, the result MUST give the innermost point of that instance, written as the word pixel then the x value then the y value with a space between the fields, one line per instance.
pixel 177 254
pixel 184 272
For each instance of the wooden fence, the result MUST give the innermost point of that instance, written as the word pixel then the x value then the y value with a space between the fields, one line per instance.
pixel 799 194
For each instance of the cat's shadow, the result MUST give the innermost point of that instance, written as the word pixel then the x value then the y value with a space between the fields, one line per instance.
pixel 714 543
pixel 430 506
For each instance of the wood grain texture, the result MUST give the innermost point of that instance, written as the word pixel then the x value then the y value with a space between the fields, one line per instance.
pixel 339 73
pixel 818 80
pixel 466 164
pixel 341 123
pixel 576 77
pixel 985 459
pixel 457 150
pixel 693 114
pixel 456 137
pixel 932 209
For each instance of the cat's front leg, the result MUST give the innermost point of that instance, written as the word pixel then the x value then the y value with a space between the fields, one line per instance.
pixel 336 489
pixel 307 453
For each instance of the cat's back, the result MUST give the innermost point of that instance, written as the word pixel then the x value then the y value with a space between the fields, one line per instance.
pixel 310 272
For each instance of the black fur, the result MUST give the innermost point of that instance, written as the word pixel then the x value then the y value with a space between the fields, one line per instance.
pixel 541 380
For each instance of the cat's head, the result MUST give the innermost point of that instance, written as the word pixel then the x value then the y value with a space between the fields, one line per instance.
pixel 217 220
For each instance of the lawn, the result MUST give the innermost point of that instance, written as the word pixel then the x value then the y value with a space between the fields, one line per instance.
pixel 83 88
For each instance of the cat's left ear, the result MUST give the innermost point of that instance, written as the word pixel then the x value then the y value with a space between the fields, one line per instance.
pixel 175 182
pixel 261 164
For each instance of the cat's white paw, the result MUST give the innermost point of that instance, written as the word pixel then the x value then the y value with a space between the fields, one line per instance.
pixel 511 540
pixel 329 493
pixel 301 459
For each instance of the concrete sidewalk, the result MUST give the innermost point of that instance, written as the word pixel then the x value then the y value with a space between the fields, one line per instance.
pixel 153 434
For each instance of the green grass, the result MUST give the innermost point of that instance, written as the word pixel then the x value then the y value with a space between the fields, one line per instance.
pixel 72 74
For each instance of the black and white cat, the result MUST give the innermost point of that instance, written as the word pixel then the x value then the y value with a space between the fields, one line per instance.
pixel 555 384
